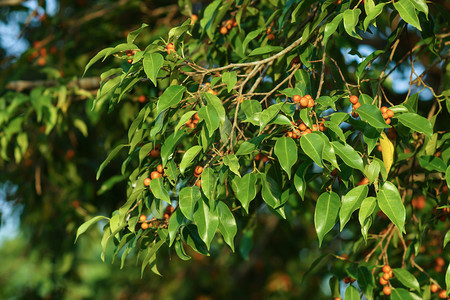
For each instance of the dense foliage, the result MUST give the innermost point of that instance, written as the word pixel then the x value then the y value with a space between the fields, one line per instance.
pixel 252 122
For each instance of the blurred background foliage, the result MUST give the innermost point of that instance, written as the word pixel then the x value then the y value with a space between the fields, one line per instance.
pixel 52 186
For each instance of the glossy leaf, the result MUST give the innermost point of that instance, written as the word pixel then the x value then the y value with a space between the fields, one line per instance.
pixel 366 281
pixel 326 213
pixel 331 27
pixel 158 189
pixel 188 157
pixel 432 163
pixel 227 224
pixel 402 294
pixel 351 202
pixel 152 63
pixel 351 18
pixel 390 202
pixel 299 179
pixel 85 226
pixel 108 159
pixel 232 162
pixel 408 13
pixel 246 189
pixel 407 279
pixel 372 115
pixel 313 146
pixel 351 293
pixel 176 220
pixel 350 157
pixel 286 151
pixel 210 115
pixel 171 96
pixel 416 122
pixel 207 221
pixel 209 181
pixel 188 197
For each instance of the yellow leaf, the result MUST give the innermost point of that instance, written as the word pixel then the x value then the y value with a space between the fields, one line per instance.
pixel 387 149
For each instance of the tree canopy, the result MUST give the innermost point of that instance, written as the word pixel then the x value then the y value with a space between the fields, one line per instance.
pixel 289 149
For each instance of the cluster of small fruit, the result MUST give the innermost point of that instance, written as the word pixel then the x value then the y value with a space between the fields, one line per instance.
pixel 301 129
pixel 170 47
pixel 146 224
pixel 198 173
pixel 387 114
pixel 354 100
pixel 41 53
pixel 130 53
pixel 261 156
pixel 154 174
pixel 192 122
pixel 303 102
pixel 434 288
pixel 386 274
pixel 227 25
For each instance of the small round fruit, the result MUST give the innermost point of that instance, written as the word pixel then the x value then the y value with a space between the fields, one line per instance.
pixel 155 174
pixel 311 103
pixel 337 298
pixel 223 30
pixel 271 37
pixel 143 218
pixel 307 131
pixel 383 109
pixel 308 97
pixel 386 269
pixel 390 113
pixel 147 181
pixel 302 127
pixel 387 290
pixel 356 105
pixel 434 288
pixel 388 121
pixel 142 98
pixel 386 276
pixel 304 102
pixel 383 281
pixel 199 183
pixel 166 216
pixel 194 18
pixel 144 226
pixel 289 134
pixel 296 98
pixel 355 114
pixel 265 158
pixel 385 116
pixel 258 156
pixel 160 169
pixel 440 261
pixel 364 181
pixel 196 117
pixel 354 99
pixel 154 153
pixel 198 170
pixel 443 294
pixel 346 280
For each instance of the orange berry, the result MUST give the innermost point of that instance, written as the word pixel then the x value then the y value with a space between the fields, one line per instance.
pixel 440 261
pixel 166 216
pixel 302 127
pixel 308 97
pixel 311 103
pixel 337 298
pixel 387 290
pixel 223 30
pixel 154 153
pixel 383 109
pixel 386 276
pixel 289 134
pixel 383 281
pixel 229 24
pixel 155 175
pixel 147 181
pixel 443 294
pixel 388 121
pixel 346 280
pixel 390 113
pixel 271 37
pixel 258 156
pixel 355 114
pixel 356 105
pixel 354 99
pixel 160 169
pixel 307 131
pixel 434 288
pixel 142 98
pixel 144 226
pixel 385 116
pixel 194 18
pixel 322 127
pixel 196 117
pixel 142 218
pixel 386 269
pixel 296 98
pixel 265 158
pixel 198 170
pixel 304 102
pixel 199 183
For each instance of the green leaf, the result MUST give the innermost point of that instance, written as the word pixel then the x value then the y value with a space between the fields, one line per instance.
pixel 227 224
pixel 251 36
pixel 158 190
pixel 209 182
pixel 366 281
pixel 135 33
pixel 416 123
pixel 270 191
pixel 268 114
pixel 351 18
pixel 331 27
pixel 180 250
pixel 265 50
pixel 350 157
pixel 246 189
pixel 351 293
pixel 286 151
pixel 447 279
pixel 446 238
pixel 299 179
pixel 326 213
pixel 188 197
pixel 372 12
pixel 432 163
pixel 176 220
pixel 213 100
pixel 188 157
pixel 421 5
pixel 184 118
pixel 85 226
pixel 313 146
pixel 150 257
pixel 447 176
pixel 367 207
pixel 171 96
pixel 207 221
pixel 232 162
pixel 402 294
pixel 372 171
pixel 96 58
pixel 210 115
pixel 372 115
pixel 390 202
pixel 108 159
pixel 407 279
pixel 152 64
pixel 351 202
pixel 230 79
pixel 168 147
pixel 408 13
